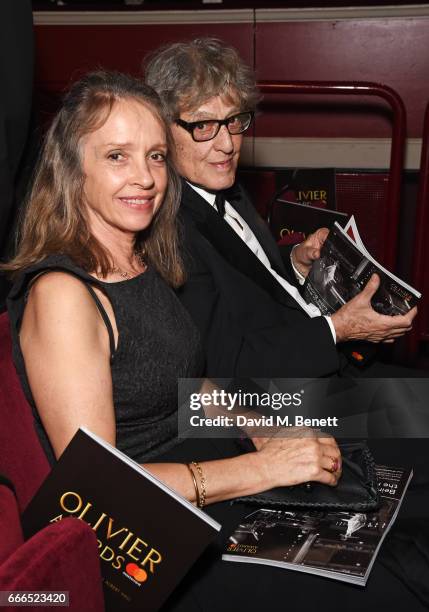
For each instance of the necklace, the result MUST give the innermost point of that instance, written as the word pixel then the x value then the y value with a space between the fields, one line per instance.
pixel 138 255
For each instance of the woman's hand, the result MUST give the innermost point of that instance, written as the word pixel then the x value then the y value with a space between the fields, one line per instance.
pixel 303 456
pixel 307 455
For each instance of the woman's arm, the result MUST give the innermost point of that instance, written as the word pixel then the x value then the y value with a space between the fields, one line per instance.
pixel 67 357
pixel 65 346
pixel 280 461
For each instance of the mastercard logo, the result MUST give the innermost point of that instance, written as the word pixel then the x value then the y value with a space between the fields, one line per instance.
pixel 136 572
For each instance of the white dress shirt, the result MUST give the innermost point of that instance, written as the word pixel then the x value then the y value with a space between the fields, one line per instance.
pixel 239 225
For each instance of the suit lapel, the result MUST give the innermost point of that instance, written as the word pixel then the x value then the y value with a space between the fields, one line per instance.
pixel 225 241
pixel 247 211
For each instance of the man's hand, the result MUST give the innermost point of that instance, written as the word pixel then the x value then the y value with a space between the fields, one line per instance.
pixel 357 320
pixel 306 252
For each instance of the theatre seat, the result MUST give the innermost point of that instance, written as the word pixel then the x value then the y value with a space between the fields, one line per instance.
pixel 22 459
pixel 61 557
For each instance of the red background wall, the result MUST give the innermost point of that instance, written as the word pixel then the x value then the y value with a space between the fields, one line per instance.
pixel 392 51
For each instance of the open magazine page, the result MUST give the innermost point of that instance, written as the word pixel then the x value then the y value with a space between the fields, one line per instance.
pixel 339 545
pixel 343 270
pixel 352 232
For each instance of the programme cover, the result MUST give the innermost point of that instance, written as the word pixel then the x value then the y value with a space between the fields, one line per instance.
pixel 148 535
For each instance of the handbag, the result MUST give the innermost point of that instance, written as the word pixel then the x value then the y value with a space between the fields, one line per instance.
pixel 356 489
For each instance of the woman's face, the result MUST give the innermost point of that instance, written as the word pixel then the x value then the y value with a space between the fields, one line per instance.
pixel 124 164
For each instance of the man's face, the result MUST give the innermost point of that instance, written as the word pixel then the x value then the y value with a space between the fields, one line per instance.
pixel 211 164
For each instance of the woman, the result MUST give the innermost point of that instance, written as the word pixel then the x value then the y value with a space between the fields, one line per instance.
pixel 99 336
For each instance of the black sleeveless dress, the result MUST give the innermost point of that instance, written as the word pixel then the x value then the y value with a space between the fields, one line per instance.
pixel 157 344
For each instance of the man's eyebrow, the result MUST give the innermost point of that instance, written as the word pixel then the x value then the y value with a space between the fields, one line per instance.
pixel 201 115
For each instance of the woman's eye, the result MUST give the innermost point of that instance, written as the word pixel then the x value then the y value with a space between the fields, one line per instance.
pixel 115 156
pixel 158 157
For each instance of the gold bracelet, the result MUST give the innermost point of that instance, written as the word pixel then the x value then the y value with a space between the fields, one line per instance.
pixel 202 496
pixel 194 480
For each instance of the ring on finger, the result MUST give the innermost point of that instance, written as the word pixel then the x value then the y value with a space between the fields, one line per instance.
pixel 335 465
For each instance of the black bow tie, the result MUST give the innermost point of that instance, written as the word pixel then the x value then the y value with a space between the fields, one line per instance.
pixel 220 203
pixel 231 195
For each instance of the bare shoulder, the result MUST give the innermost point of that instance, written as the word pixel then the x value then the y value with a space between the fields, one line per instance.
pixel 57 283
pixel 57 298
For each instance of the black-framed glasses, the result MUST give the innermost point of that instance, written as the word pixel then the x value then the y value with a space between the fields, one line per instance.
pixel 207 129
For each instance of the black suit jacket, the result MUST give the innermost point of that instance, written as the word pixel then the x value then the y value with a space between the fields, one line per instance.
pixel 249 324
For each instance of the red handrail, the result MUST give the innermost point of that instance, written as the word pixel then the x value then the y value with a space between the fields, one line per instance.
pixel 399 123
pixel 420 275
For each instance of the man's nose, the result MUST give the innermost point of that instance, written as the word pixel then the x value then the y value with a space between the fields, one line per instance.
pixel 223 140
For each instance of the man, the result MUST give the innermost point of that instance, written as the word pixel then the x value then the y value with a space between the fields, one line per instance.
pixel 240 293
